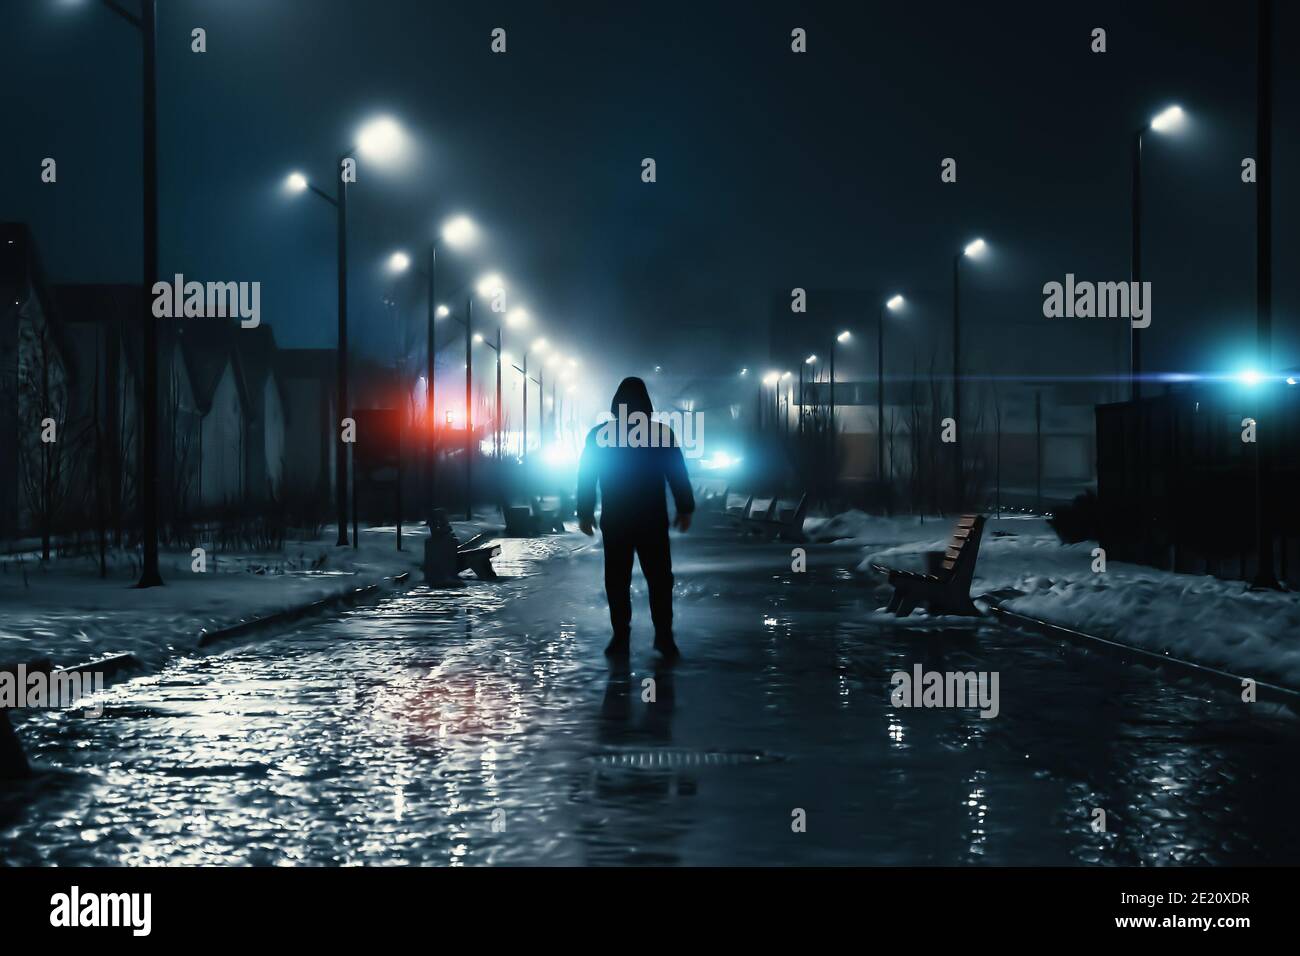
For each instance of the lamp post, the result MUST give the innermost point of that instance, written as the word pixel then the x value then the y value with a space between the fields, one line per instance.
pixel 381 140
pixel 972 250
pixel 395 264
pixel 146 23
pixel 892 304
pixel 458 232
pixel 1265 577
pixel 539 346
pixel 810 360
pixel 1167 120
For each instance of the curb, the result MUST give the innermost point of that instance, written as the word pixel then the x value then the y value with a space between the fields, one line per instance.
pixel 251 625
pixel 1225 680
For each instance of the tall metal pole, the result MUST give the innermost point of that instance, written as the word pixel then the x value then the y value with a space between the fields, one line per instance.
pixel 149 575
pixel 469 414
pixel 832 449
pixel 1265 576
pixel 1038 451
pixel 341 387
pixel 1135 268
pixel 957 478
pixel 431 418
pixel 880 399
pixel 499 415
pixel 525 371
pixel 801 365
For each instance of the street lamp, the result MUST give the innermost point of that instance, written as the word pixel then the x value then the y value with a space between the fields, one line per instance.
pixel 381 140
pixel 539 346
pixel 1169 120
pixel 972 250
pixel 810 360
pixel 459 232
pixel 892 304
pixel 146 23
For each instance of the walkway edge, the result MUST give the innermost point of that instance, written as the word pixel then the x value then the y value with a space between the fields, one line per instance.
pixel 1220 678
pixel 350 598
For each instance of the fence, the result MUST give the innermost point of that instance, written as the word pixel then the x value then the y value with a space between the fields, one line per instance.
pixel 1179 482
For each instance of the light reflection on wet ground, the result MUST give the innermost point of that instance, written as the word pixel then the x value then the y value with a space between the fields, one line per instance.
pixel 483 726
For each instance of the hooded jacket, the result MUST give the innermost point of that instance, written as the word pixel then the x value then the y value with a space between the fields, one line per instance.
pixel 630 460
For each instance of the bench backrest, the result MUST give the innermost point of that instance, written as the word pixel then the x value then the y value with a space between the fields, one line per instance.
pixel 959 559
pixel 762 507
pixel 796 515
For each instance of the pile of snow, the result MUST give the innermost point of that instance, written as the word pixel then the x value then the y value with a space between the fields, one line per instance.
pixel 1196 617
pixel 64 611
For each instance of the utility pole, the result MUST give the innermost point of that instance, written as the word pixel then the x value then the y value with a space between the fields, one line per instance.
pixel 1265 576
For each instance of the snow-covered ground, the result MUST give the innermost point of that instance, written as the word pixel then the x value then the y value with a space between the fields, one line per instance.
pixel 67 613
pixel 1196 617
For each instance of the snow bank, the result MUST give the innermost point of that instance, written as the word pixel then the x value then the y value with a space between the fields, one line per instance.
pixel 1196 617
pixel 66 612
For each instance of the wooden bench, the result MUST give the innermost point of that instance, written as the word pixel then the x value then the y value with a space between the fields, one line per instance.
pixel 548 517
pixel 445 558
pixel 708 496
pixel 786 523
pixel 760 512
pixel 736 512
pixel 946 589
pixel 519 518
pixel 476 556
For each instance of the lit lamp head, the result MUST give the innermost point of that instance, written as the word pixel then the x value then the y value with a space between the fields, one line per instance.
pixel 489 284
pixel 787 374
pixel 843 336
pixel 381 140
pixel 541 345
pixel 478 338
pixel 459 232
pixel 771 378
pixel 810 360
pixel 1168 120
pixel 894 303
pixel 295 182
pixel 399 262
pixel 975 249
pixel 517 318
pixel 442 312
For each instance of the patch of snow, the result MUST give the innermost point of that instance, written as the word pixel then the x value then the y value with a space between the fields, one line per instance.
pixel 1200 618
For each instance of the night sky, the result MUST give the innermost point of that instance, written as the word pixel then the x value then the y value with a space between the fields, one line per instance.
pixel 774 170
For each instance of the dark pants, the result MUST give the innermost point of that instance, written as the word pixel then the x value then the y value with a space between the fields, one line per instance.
pixel 651 547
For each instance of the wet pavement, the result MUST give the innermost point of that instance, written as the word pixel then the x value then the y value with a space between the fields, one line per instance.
pixel 482 725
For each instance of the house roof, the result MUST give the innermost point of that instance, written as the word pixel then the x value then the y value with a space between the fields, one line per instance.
pixel 21 275
pixel 257 355
pixel 209 346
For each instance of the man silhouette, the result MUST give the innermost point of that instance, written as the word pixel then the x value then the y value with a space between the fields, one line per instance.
pixel 630 459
